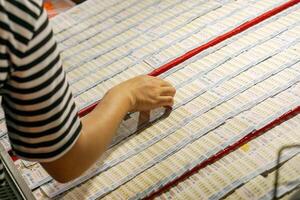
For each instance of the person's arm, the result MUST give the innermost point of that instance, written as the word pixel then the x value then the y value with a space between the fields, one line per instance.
pixel 142 93
pixel 40 111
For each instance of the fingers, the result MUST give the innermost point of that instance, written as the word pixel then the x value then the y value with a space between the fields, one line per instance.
pixel 162 82
pixel 166 94
pixel 165 84
pixel 167 91
pixel 151 92
pixel 165 101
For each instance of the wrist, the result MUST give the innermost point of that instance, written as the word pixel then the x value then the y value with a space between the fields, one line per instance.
pixel 117 95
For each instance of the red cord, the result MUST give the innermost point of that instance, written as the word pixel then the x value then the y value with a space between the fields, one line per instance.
pixel 223 37
pixel 196 51
pixel 226 151
pixel 209 44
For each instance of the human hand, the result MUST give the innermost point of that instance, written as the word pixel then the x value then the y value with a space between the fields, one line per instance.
pixel 146 93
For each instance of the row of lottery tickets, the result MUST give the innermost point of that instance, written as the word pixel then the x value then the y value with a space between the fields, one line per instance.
pixel 222 94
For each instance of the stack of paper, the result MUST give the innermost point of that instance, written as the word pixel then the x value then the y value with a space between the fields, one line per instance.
pixel 258 156
pixel 124 41
pixel 223 94
pixel 262 187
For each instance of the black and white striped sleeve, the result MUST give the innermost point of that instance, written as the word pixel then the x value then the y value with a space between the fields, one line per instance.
pixel 40 112
pixel 2 179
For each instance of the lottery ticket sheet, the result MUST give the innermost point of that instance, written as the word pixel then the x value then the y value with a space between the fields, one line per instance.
pixel 223 94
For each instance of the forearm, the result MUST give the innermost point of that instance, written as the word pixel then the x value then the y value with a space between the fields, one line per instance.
pixel 141 93
pixel 99 127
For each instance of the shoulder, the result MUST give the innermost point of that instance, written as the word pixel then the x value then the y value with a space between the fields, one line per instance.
pixel 18 19
pixel 31 7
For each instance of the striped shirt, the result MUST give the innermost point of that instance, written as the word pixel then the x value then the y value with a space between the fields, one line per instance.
pixel 40 112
